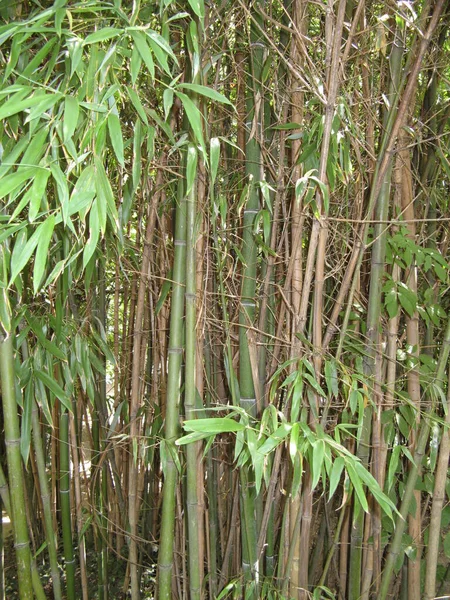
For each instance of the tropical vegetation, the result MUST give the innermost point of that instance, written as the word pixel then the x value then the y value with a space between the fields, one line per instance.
pixel 224 312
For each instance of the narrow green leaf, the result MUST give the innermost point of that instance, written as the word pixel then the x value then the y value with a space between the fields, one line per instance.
pixel 141 44
pixel 115 134
pixel 106 33
pixel 198 7
pixel 357 485
pixel 275 439
pixel 22 255
pixel 165 289
pixel 213 425
pixel 203 90
pixel 11 182
pixel 167 101
pixel 335 476
pixel 25 426
pixel 14 106
pixel 70 120
pixel 195 436
pixel 293 441
pixel 94 233
pixel 42 107
pixel 137 156
pixel 318 454
pixel 37 192
pixel 313 383
pixel 195 119
pixel 191 168
pixel 41 259
pixel 331 378
pixel 62 187
pixel 162 43
pixel 137 104
pixel 160 55
pixel 55 388
pixel 105 194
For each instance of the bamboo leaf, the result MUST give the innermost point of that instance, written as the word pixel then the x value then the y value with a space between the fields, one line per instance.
pixel 293 441
pixel 208 92
pixel 313 383
pixel 105 196
pixel 195 119
pixel 14 106
pixel 275 439
pixel 198 7
pixel 41 259
pixel 318 454
pixel 167 101
pixel 213 426
pixel 37 192
pixel 357 486
pixel 55 388
pixel 115 134
pixel 106 33
pixel 63 189
pixel 195 436
pixel 22 254
pixel 160 55
pixel 9 183
pixel 144 51
pixel 137 104
pixel 191 168
pixel 47 344
pixel 331 378
pixel 25 426
pixel 70 120
pixel 162 43
pixel 94 234
pixel 335 476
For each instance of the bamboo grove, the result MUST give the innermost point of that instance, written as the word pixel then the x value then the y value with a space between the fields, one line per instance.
pixel 225 319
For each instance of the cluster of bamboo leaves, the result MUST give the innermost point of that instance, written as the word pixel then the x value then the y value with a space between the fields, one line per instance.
pixel 224 315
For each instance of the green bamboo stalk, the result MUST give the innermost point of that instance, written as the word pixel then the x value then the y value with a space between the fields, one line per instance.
pixel 64 490
pixel 440 480
pixel 247 377
pixel 190 390
pixel 103 486
pixel 171 427
pixel 14 461
pixel 46 505
pixel 50 534
pixel 211 482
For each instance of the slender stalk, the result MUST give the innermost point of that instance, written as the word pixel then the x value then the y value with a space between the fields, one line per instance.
pixel 46 506
pixel 14 461
pixel 248 376
pixel 175 352
pixel 190 390
pixel 440 480
pixel 64 490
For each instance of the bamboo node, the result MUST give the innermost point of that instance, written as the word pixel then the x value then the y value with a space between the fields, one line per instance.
pixel 175 351
pixel 12 442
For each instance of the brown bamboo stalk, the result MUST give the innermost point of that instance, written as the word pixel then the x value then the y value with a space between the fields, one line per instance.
pixel 413 342
pixel 135 400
